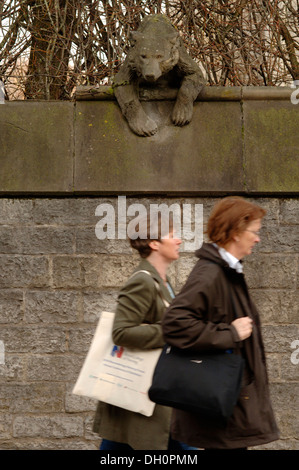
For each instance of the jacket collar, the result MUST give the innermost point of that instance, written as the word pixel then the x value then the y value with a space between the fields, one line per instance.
pixel 210 252
pixel 147 266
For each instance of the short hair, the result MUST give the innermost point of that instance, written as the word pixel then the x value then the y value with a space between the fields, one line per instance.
pixel 150 229
pixel 230 216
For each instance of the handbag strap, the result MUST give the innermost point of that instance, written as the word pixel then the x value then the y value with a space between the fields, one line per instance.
pixel 166 303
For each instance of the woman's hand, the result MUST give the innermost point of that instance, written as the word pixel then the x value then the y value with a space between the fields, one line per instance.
pixel 243 326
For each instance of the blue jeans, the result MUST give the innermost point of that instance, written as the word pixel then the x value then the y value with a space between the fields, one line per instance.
pixel 173 446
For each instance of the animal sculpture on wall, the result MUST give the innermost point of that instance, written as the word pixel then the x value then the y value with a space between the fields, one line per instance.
pixel 157 56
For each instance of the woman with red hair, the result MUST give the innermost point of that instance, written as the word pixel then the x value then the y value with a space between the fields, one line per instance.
pixel 213 313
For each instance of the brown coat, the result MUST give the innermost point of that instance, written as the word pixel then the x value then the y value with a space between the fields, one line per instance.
pixel 200 319
pixel 138 303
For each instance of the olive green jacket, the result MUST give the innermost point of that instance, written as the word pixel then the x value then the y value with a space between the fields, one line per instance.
pixel 138 325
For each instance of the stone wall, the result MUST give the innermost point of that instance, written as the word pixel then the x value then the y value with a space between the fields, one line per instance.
pixel 59 161
pixel 239 141
pixel 57 276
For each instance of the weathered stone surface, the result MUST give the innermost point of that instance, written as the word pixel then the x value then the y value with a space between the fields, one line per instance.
pixel 79 404
pixel 96 302
pixel 50 305
pixel 34 339
pixel 13 368
pixel 11 306
pixel 79 339
pixel 275 306
pixel 157 57
pixel 242 143
pixel 46 240
pixel 33 398
pixel 290 369
pixel 110 158
pixel 285 396
pixel 47 426
pixel 60 368
pixel 271 270
pixel 279 338
pixel 67 272
pixel 36 147
pixel 24 271
pixel 289 210
pixel 5 425
pixel 271 146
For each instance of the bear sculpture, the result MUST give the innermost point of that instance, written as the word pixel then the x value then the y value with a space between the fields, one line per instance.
pixel 157 57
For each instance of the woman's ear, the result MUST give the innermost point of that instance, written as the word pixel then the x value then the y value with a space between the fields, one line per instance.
pixel 154 244
pixel 236 237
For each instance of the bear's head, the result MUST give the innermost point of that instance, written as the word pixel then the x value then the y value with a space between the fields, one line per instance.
pixel 152 57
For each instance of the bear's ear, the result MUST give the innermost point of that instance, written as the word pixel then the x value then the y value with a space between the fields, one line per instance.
pixel 134 36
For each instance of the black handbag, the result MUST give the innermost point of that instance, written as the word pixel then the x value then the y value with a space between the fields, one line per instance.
pixel 205 384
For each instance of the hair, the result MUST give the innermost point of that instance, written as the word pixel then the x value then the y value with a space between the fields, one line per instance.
pixel 230 216
pixel 149 232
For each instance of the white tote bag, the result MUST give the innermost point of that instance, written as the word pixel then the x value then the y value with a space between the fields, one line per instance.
pixel 116 375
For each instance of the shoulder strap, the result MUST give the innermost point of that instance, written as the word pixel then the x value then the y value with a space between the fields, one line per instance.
pixel 156 284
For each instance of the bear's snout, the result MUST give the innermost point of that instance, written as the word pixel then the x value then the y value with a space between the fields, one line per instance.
pixel 151 71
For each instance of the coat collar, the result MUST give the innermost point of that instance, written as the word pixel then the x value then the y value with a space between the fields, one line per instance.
pixel 210 252
pixel 147 266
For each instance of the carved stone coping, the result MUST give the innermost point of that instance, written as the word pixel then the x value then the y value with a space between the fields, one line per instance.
pixel 209 93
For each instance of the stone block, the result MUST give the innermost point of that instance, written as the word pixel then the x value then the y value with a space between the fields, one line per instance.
pixel 278 339
pixel 24 271
pixel 79 404
pixel 94 272
pixel 273 367
pixel 67 272
pixel 276 271
pixel 271 146
pixel 54 367
pixel 59 426
pixel 111 271
pixel 6 425
pixel 34 397
pixel 70 212
pixel 276 305
pixel 36 147
pixel 288 424
pixel 51 307
pixel 87 242
pixel 13 368
pixel 195 158
pixel 33 339
pixel 289 368
pixel 185 265
pixel 11 305
pixel 15 210
pixel 278 239
pixel 96 302
pixel 79 339
pixel 289 211
pixel 46 240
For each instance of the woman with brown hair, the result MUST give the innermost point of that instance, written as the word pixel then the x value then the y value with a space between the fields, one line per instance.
pixel 214 312
pixel 138 325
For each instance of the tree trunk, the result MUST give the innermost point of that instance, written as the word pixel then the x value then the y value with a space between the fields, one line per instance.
pixel 52 26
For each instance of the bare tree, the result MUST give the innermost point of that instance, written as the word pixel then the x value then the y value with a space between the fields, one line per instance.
pixel 47 47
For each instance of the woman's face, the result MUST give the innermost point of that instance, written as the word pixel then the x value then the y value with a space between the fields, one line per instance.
pixel 246 240
pixel 169 247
